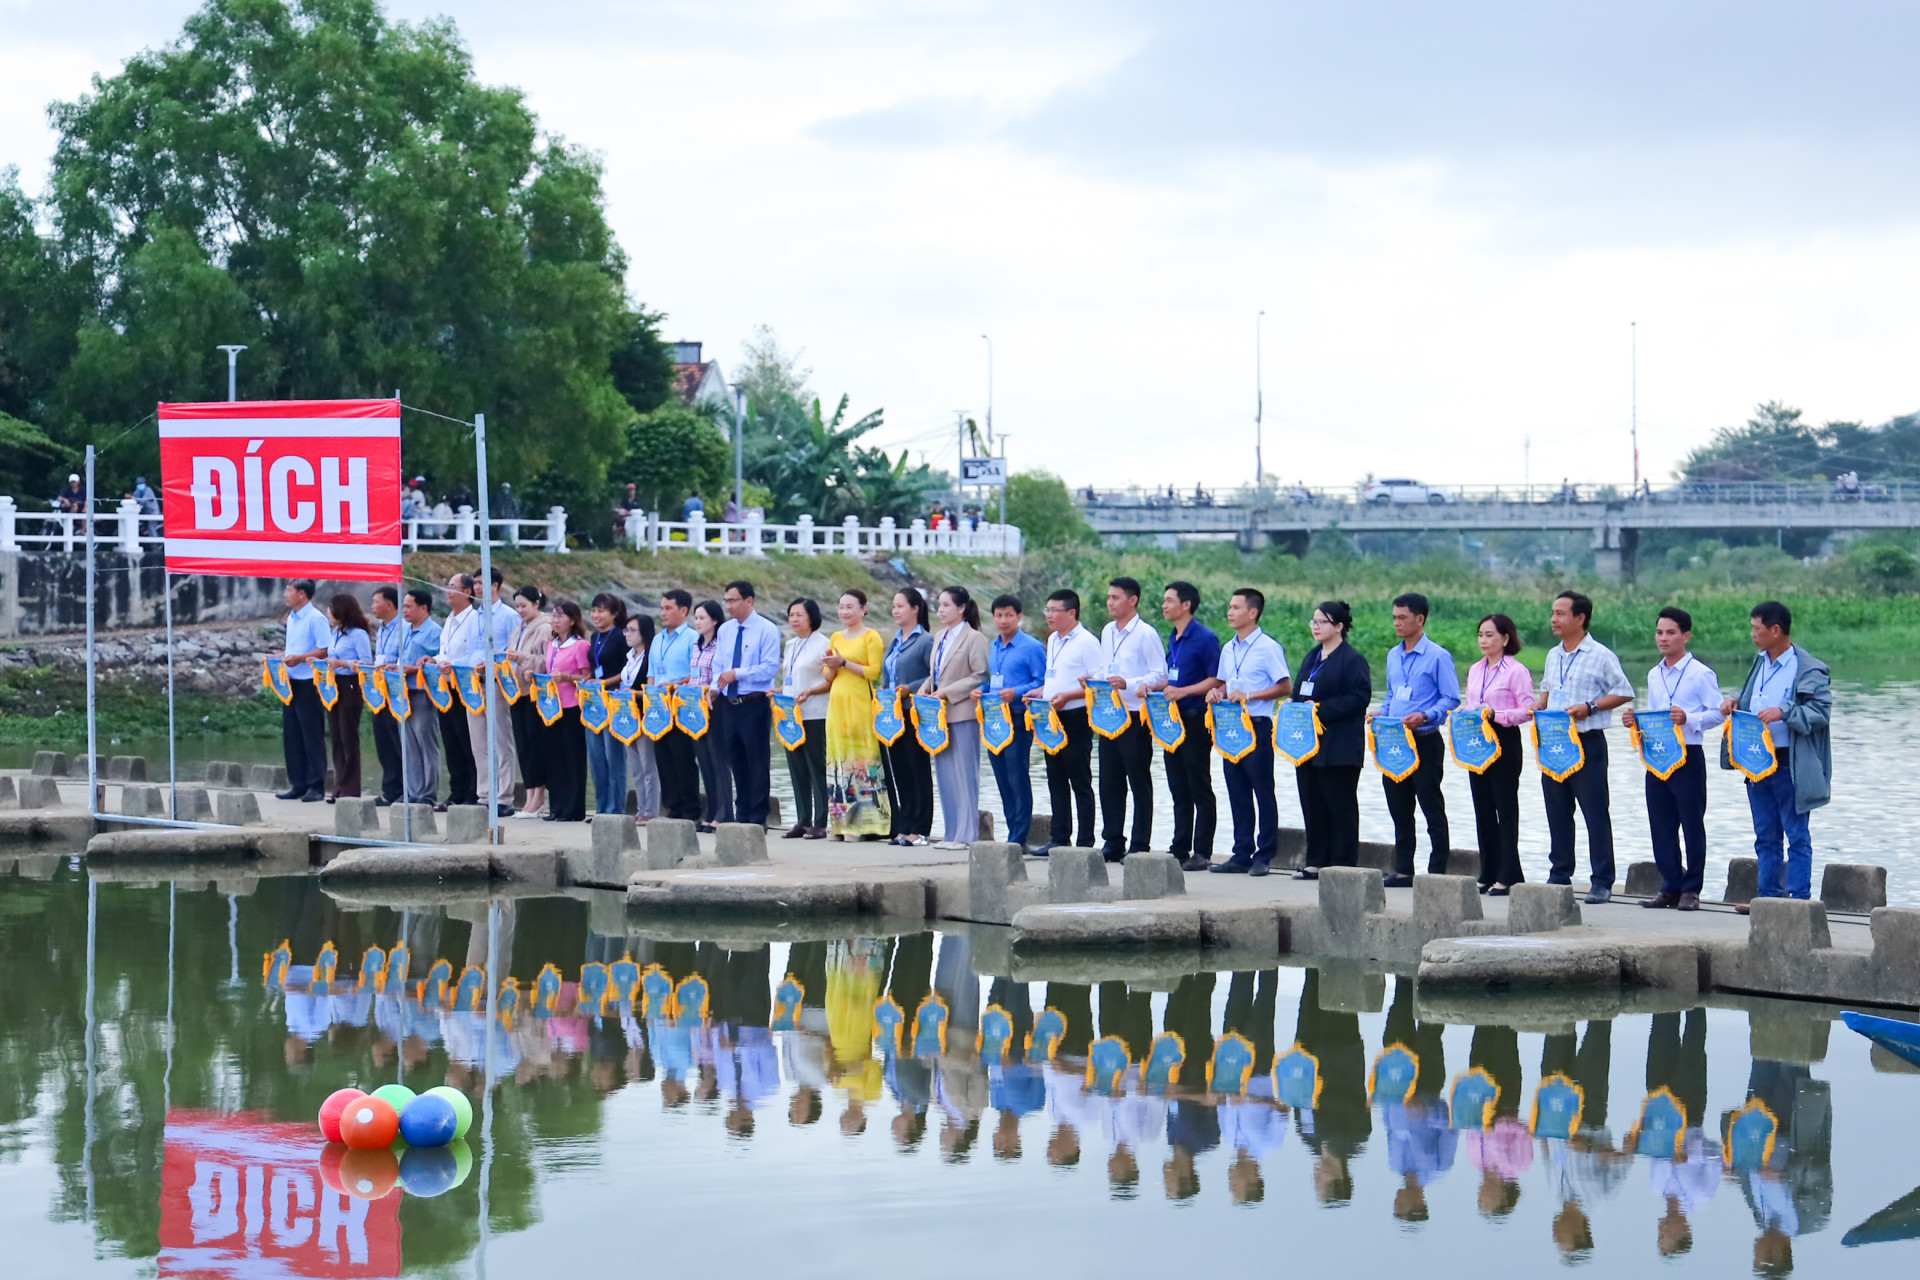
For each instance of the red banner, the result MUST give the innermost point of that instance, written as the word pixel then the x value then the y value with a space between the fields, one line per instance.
pixel 282 488
pixel 241 1196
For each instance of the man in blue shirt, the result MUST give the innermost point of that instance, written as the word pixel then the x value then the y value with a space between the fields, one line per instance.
pixel 1193 665
pixel 386 728
pixel 1422 687
pixel 303 719
pixel 749 645
pixel 420 640
pixel 670 662
pixel 1016 667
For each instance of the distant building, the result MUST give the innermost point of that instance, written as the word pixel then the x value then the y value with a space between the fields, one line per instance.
pixel 698 381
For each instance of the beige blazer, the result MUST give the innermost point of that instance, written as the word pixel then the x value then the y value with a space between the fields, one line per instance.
pixel 963 665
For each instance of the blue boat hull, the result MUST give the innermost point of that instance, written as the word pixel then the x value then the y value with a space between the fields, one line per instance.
pixel 1900 1038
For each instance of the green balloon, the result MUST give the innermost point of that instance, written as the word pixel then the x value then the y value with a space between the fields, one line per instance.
pixel 462 1108
pixel 396 1096
pixel 463 1161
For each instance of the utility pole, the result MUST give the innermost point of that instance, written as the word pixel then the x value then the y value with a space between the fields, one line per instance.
pixel 960 462
pixel 1633 330
pixel 1003 480
pixel 1259 405
pixel 989 341
pixel 233 362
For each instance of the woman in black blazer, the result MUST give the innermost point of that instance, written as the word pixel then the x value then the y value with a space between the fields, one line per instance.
pixel 1335 675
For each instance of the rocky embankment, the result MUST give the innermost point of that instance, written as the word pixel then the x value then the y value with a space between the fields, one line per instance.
pixel 223 659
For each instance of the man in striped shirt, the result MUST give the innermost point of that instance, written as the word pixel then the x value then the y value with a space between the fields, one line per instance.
pixel 1583 678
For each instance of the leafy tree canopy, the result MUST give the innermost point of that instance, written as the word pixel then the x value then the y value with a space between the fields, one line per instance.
pixel 1777 443
pixel 675 451
pixel 1040 506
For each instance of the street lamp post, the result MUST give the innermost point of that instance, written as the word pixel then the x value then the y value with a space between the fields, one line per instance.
pixel 233 364
pixel 1259 471
pixel 739 453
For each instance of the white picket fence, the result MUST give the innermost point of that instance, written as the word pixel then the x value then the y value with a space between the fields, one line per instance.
pixel 646 531
pixel 123 529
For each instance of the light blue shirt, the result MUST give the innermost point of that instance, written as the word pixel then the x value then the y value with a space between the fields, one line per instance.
pixel 505 621
pixel 1424 680
pixel 1773 687
pixel 759 662
pixel 1258 662
pixel 307 630
pixel 670 656
pixel 350 645
pixel 420 642
pixel 393 634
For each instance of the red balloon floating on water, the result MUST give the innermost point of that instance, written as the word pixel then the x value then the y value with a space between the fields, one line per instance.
pixel 369 1123
pixel 330 1112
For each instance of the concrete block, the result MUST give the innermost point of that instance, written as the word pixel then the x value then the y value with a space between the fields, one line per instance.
pixel 9 795
pixel 357 817
pixel 1785 1031
pixel 267 777
pixel 236 808
pixel 986 829
pixel 39 792
pixel 736 844
pixel 1464 862
pixel 1541 908
pixel 50 764
pixel 606 911
pixel 225 773
pixel 613 855
pixel 1743 879
pixel 1644 879
pixel 1346 986
pixel 1076 875
pixel 192 804
pixel 1104 925
pixel 534 868
pixel 1784 930
pixel 1291 850
pixel 670 842
pixel 423 823
pixel 142 801
pixel 1245 928
pixel 127 769
pixel 1040 830
pixel 409 866
pixel 773 812
pixel 895 899
pixel 1853 886
pixel 467 824
pixel 993 866
pixel 1896 954
pixel 40 866
pixel 1379 856
pixel 1442 903
pixel 1348 895
pixel 1152 875
pixel 1890 1063
pixel 1504 963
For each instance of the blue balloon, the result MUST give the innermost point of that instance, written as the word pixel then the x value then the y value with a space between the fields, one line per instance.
pixel 428 1121
pixel 429 1171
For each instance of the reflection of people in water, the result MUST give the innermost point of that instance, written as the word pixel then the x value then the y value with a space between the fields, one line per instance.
pixel 1790 1194
pixel 854 972
pixel 1338 1128
pixel 1504 1150
pixel 1420 1141
pixel 1677 1062
pixel 1586 1167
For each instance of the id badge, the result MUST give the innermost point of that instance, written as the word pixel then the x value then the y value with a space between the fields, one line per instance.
pixel 995 682
pixel 1173 675
pixel 1557 700
pixel 1113 669
pixel 1306 688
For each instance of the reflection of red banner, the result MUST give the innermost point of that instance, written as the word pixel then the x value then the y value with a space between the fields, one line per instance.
pixel 241 1196
pixel 283 488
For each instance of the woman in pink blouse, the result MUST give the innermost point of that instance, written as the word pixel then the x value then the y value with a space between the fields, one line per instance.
pixel 566 740
pixel 1499 681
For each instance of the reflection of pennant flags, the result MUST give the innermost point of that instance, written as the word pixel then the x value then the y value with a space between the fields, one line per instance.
pixel 326 963
pixel 470 993
pixel 624 975
pixel 472 686
pixel 1107 715
pixel 1232 729
pixel 887 1021
pixel 1557 1105
pixel 995 1036
pixel 1107 1063
pixel 930 722
pixel 1471 735
pixel 546 697
pixel 594 711
pixel 1556 745
pixel 690 1001
pixel 1296 731
pixel 399 960
pixel 1392 745
pixel 1473 1098
pixel 690 711
pixel 1395 1072
pixel 1046 726
pixel 996 724
pixel 788 727
pixel 1661 1128
pixel 787 999
pixel 1296 1078
pixel 623 721
pixel 1049 1029
pixel 273 674
pixel 372 687
pixel 656 993
pixel 439 690
pixel 506 677
pixel 546 991
pixel 439 977
pixel 373 970
pixel 326 686
pixel 930 1027
pixel 1657 738
pixel 1162 1067
pixel 656 710
pixel 274 965
pixel 1163 720
pixel 596 983
pixel 1748 746
pixel 1750 1135
pixel 399 702
pixel 889 721
pixel 1231 1064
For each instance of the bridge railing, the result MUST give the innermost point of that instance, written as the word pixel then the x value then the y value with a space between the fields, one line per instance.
pixel 1722 492
pixel 753 536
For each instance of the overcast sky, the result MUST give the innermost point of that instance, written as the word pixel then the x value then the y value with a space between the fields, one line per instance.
pixel 1450 213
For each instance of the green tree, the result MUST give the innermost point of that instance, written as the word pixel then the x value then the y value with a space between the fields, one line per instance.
pixel 1039 504
pixel 675 451
pixel 31 466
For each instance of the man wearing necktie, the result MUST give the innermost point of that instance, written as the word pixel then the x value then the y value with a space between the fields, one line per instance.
pixel 750 645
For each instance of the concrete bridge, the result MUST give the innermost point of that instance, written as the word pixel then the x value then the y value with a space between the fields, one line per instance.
pixel 1614 517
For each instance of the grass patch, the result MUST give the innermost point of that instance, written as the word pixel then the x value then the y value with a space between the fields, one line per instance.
pixel 47 707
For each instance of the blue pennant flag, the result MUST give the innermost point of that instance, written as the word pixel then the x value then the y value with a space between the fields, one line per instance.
pixel 996 1035
pixel 1107 1063
pixel 546 698
pixel 1296 1079
pixel 1232 729
pixel 623 720
pixel 930 722
pixel 1046 726
pixel 996 723
pixel 472 686
pixel 1231 1064
pixel 1556 743
pixel 1657 738
pixel 788 727
pixel 889 720
pixel 1296 731
pixel 1163 718
pixel 656 715
pixel 372 688
pixel 1107 715
pixel 1749 746
pixel 1393 749
pixel 1471 735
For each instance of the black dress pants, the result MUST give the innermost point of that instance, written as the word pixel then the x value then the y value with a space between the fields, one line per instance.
pixel 1070 781
pixel 909 785
pixel 1126 764
pixel 566 755
pixel 1677 808
pixel 1587 788
pixel 343 724
pixel 530 742
pixel 807 768
pixel 707 750
pixel 747 738
pixel 1190 780
pixel 1496 811
pixel 673 754
pixel 1422 786
pixel 386 745
pixel 1330 805
pixel 303 735
pixel 1256 810
pixel 463 781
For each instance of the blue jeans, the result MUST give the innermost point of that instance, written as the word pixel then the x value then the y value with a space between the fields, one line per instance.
pixel 1775 819
pixel 1012 773
pixel 607 762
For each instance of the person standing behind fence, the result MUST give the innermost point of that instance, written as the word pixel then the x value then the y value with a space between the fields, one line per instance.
pixel 749 658
pixel 1073 655
pixel 1335 675
pixel 1685 690
pixel 352 643
pixel 420 643
pixel 643 774
pixel 909 771
pixel 566 748
pixel 302 720
pixel 1193 666
pixel 1422 687
pixel 708 616
pixel 804 679
pixel 1501 684
pixel 959 667
pixel 1252 671
pixel 1584 678
pixel 670 664
pixel 1134 663
pixel 606 655
pixel 528 649
pixel 391 634
pixel 1016 667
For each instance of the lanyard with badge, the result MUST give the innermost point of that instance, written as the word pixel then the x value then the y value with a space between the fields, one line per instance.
pixel 1558 698
pixel 1679 677
pixel 1306 681
pixel 1119 643
pixel 1486 678
pixel 1242 650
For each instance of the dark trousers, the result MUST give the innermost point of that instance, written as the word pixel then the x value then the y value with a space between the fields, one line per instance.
pixel 1190 780
pixel 1677 808
pixel 303 735
pixel 718 803
pixel 1588 789
pixel 1250 796
pixel 746 745
pixel 530 742
pixel 386 745
pixel 343 723
pixel 807 767
pixel 1421 786
pixel 1496 811
pixel 1330 806
pixel 566 754
pixel 1070 780
pixel 909 785
pixel 1126 764
pixel 1013 774
pixel 463 782
pixel 673 755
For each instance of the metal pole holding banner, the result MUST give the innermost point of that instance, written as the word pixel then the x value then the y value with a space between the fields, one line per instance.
pixel 487 691
pixel 93 722
pixel 173 771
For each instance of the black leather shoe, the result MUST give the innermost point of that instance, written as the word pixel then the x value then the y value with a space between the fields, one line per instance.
pixel 505 810
pixel 1398 881
pixel 1197 862
pixel 1231 867
pixel 381 802
pixel 313 797
pixel 1660 900
pixel 1258 869
pixel 440 808
pixel 288 794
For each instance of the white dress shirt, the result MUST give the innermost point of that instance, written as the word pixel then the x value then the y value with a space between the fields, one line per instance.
pixel 1133 653
pixel 1690 685
pixel 1253 664
pixel 1071 659
pixel 461 641
pixel 801 669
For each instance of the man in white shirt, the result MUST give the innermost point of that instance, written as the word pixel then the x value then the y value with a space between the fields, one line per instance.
pixel 1132 659
pixel 500 620
pixel 303 719
pixel 462 644
pixel 1584 678
pixel 1253 671
pixel 1684 689
pixel 1072 656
